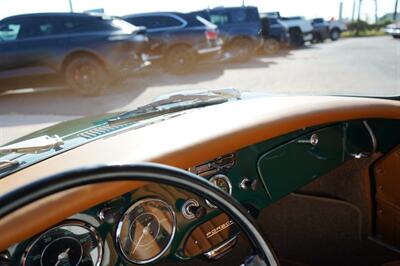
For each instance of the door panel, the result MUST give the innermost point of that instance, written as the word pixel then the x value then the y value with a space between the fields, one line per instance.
pixel 387 197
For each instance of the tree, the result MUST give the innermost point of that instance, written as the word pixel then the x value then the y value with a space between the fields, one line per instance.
pixel 359 10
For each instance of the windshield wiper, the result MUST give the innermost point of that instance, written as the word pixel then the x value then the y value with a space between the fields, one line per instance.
pixel 176 103
pixel 35 145
pixel 7 164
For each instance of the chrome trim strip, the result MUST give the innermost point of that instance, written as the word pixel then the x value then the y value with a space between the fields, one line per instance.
pixel 209 50
pixel 372 135
pixel 221 250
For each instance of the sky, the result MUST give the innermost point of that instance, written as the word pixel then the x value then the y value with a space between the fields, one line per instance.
pixel 308 8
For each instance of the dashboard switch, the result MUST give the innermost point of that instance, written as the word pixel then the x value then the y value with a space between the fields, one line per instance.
pixel 191 209
pixel 248 184
pixel 109 215
pixel 245 184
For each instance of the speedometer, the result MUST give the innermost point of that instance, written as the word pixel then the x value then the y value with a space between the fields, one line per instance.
pixel 70 243
pixel 146 230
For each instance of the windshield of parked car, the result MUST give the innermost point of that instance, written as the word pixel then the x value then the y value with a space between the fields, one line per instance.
pixel 100 60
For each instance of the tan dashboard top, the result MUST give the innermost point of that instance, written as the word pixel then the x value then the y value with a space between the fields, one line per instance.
pixel 182 141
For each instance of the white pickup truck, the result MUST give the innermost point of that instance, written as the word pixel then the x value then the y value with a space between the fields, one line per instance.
pixel 336 27
pixel 300 29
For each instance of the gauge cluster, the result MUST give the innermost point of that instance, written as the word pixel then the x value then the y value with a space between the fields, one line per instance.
pixel 142 227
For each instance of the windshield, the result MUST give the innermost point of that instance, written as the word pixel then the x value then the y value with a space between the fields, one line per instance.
pixel 62 60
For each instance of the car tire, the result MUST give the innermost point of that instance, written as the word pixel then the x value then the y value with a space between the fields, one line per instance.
pixel 396 36
pixel 180 59
pixel 271 46
pixel 317 38
pixel 296 37
pixel 86 76
pixel 335 34
pixel 241 49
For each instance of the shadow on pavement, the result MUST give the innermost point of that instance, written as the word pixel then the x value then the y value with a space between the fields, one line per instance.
pixel 60 101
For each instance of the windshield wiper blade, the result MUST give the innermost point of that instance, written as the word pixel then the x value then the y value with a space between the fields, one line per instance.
pixel 154 111
pixel 7 164
pixel 35 145
pixel 176 102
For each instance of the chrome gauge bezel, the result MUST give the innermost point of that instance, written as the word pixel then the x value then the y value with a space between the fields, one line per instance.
pixel 77 223
pixel 121 222
pixel 212 179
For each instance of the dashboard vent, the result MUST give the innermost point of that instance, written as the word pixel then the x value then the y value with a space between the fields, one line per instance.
pixel 100 130
pixel 214 166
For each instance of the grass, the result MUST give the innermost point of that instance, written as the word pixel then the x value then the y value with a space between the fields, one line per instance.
pixel 367 33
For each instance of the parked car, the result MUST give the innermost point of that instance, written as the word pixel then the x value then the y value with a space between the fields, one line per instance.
pixel 240 28
pixel 336 27
pixel 300 29
pixel 179 40
pixel 393 29
pixel 275 34
pixel 321 30
pixel 89 51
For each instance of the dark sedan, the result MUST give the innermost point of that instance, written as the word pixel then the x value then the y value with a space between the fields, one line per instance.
pixel 89 51
pixel 321 30
pixel 179 40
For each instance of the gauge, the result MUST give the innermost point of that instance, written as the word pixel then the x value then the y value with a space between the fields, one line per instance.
pixel 146 230
pixel 70 243
pixel 223 183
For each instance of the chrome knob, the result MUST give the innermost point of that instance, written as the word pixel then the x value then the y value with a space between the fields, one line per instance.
pixel 313 140
pixel 191 209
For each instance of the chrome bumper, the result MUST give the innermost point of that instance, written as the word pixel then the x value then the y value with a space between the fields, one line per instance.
pixel 215 49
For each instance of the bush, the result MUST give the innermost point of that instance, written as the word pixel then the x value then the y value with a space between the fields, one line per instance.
pixel 361 27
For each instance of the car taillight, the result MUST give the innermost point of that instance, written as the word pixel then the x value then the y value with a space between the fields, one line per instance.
pixel 211 35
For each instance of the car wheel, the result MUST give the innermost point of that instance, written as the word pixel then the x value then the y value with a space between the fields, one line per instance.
pixel 180 59
pixel 335 34
pixel 317 38
pixel 241 49
pixel 86 76
pixel 296 37
pixel 271 46
pixel 396 36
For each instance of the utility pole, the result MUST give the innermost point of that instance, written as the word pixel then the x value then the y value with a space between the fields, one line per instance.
pixel 354 10
pixel 376 11
pixel 341 11
pixel 395 10
pixel 242 2
pixel 359 10
pixel 70 6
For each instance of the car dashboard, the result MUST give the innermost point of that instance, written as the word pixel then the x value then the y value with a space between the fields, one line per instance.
pixel 161 223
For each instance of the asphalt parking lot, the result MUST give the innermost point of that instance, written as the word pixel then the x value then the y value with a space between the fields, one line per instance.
pixel 357 66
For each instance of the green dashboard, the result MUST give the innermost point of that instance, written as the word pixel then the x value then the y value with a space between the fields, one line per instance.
pixel 160 222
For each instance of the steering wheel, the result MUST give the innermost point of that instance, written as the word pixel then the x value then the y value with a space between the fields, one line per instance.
pixel 150 173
